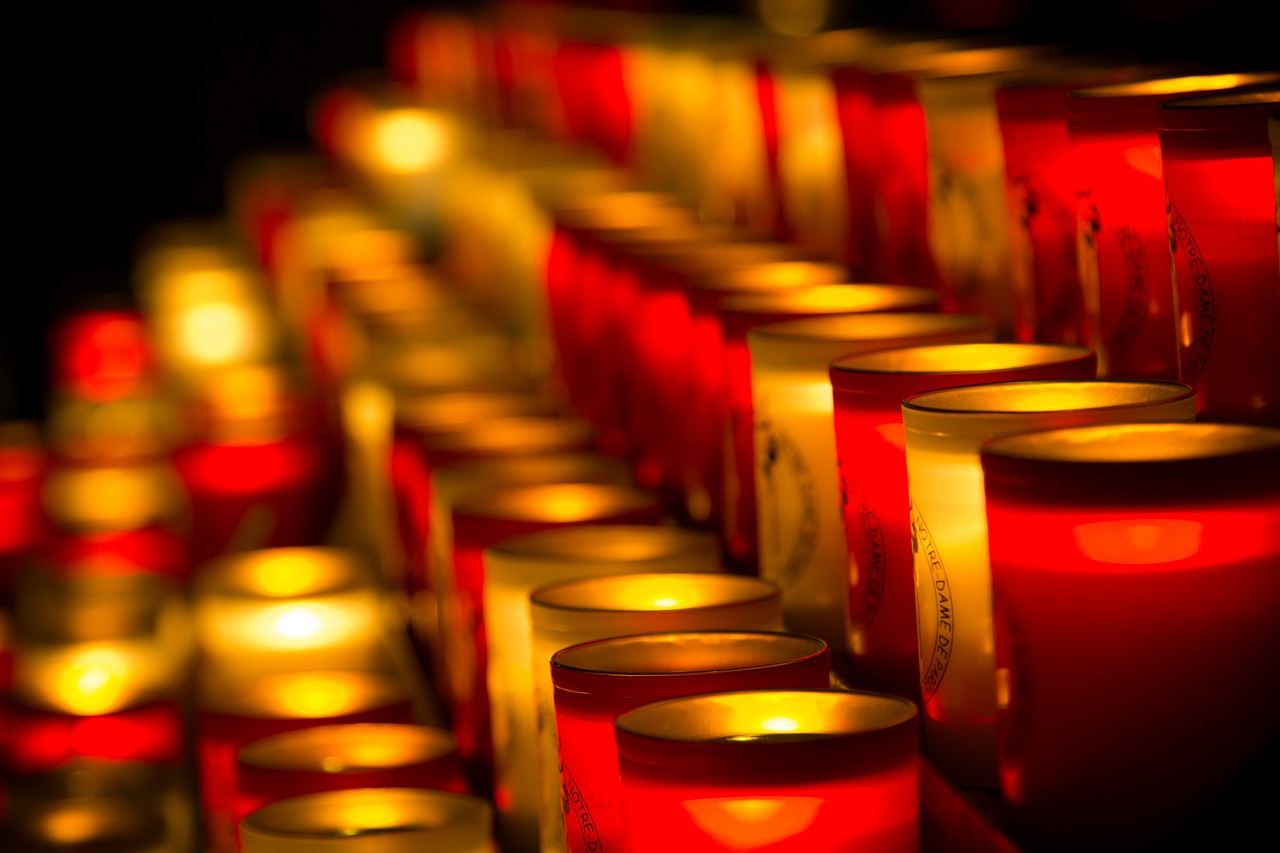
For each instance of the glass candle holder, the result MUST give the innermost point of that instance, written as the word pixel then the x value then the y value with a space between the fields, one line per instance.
pixel 1122 244
pixel 867 391
pixel 110 824
pixel 337 758
pixel 1101 538
pixel 595 682
pixel 735 432
pixel 377 820
pixel 787 769
pixel 801 526
pixel 22 465
pixel 478 521
pixel 579 611
pixel 513 569
pixel 944 431
pixel 1226 270
pixel 287 610
pixel 232 714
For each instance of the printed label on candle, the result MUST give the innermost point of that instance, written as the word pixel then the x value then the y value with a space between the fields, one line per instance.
pixel 573 803
pixel 933 666
pixel 866 582
pixel 1139 299
pixel 1197 340
pixel 789 504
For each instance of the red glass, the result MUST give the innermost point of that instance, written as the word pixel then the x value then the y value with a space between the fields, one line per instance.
pixel 594 96
pixel 485 519
pixel 39 740
pixel 595 682
pixel 22 463
pixel 1110 724
pixel 1220 189
pixel 341 757
pixel 102 356
pixel 232 716
pixel 740 314
pixel 810 770
pixel 868 391
pixel 767 98
pixel 856 113
pixel 1123 250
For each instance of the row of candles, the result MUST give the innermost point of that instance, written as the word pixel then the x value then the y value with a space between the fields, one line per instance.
pixel 737 384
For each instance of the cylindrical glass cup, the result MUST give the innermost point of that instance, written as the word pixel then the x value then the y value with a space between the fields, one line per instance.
pixel 1218 182
pixel 513 569
pixel 1122 246
pixel 233 714
pixel 868 391
pixel 336 758
pixel 595 682
pixel 944 430
pixel 1102 539
pixel 735 431
pixel 479 520
pixel 575 612
pixel 802 540
pixel 371 820
pixel 786 770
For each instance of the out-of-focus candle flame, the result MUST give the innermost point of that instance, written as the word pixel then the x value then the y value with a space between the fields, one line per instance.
pixel 408 141
pixel 750 822
pixel 298 623
pixel 780 724
pixel 363 817
pixel 318 696
pixel 94 684
pixel 666 601
pixel 1139 542
pixel 286 574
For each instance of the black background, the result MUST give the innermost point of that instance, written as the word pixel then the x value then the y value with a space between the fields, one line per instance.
pixel 125 115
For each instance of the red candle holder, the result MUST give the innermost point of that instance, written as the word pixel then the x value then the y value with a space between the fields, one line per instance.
pixel 1101 538
pixel 595 682
pixel 1122 233
pixel 233 715
pixel 868 391
pixel 738 315
pixel 483 519
pixel 1226 270
pixel 341 757
pixel 788 769
pixel 40 740
pixel 22 464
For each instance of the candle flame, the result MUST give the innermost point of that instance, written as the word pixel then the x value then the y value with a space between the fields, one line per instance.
pixel 408 141
pixel 298 623
pixel 94 684
pixel 666 601
pixel 780 724
pixel 752 822
pixel 285 575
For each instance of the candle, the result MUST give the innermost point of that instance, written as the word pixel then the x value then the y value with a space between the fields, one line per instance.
pixel 513 569
pixel 22 464
pixel 573 612
pixel 117 822
pixel 287 610
pixel 868 391
pixel 1122 235
pixel 234 713
pixel 944 430
pixel 479 520
pixel 802 540
pixel 738 315
pixel 787 769
pixel 1226 270
pixel 341 757
pixel 595 682
pixel 377 820
pixel 1101 539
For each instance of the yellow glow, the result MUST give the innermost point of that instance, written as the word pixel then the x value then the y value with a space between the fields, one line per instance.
pixel 408 141
pixel 1139 541
pixel 215 333
pixel 780 724
pixel 298 623
pixel 1144 159
pixel 365 816
pixel 318 696
pixel 332 764
pixel 1202 83
pixel 94 684
pixel 666 602
pixel 286 575
pixel 72 826
pixel 752 822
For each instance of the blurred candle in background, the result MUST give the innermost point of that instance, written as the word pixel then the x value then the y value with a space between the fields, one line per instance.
pixel 595 682
pixel 573 612
pixel 801 526
pixel 867 392
pixel 791 770
pixel 1101 538
pixel 513 569
pixel 944 431
pixel 1225 269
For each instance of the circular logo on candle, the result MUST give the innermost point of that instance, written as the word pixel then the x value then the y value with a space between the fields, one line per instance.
pixel 866 575
pixel 575 805
pixel 788 505
pixel 1193 282
pixel 937 608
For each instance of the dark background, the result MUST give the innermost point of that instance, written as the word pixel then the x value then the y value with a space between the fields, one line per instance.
pixel 126 115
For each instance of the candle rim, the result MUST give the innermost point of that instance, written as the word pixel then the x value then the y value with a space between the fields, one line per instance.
pixel 459 811
pixel 1148 443
pixel 888 361
pixel 868 328
pixel 1169 87
pixel 1269 96
pixel 859 297
pixel 515 433
pixel 558 597
pixel 306 749
pixel 567 543
pixel 236 575
pixel 796 647
pixel 535 502
pixel 949 401
pixel 258 697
